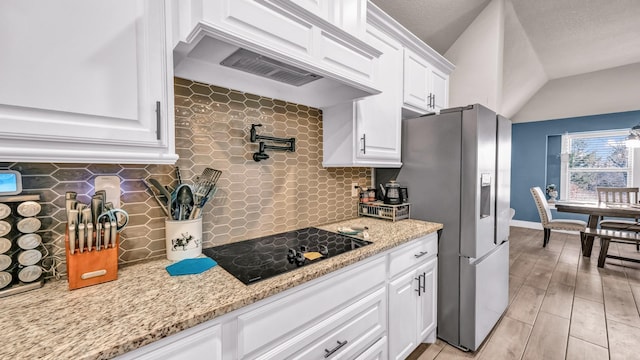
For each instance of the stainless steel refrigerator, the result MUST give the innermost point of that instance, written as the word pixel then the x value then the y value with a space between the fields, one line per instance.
pixel 456 166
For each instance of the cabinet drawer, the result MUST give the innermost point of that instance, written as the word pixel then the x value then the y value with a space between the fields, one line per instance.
pixel 200 342
pixel 412 254
pixel 358 326
pixel 377 351
pixel 276 322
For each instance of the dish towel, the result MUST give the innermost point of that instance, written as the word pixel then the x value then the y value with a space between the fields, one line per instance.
pixel 190 266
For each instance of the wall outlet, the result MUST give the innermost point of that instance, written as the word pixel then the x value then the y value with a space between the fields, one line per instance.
pixel 354 189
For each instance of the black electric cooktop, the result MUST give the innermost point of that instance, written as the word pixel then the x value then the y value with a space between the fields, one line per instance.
pixel 258 259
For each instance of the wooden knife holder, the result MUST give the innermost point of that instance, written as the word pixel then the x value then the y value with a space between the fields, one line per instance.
pixel 91 267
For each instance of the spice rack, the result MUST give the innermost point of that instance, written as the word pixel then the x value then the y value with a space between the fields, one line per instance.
pixel 380 210
pixel 20 271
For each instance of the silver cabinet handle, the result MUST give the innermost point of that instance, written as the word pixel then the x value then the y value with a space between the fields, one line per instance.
pixel 419 286
pixel 363 139
pixel 158 120
pixel 424 282
pixel 421 254
pixel 434 101
pixel 328 352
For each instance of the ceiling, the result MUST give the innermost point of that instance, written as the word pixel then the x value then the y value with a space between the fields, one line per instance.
pixel 567 37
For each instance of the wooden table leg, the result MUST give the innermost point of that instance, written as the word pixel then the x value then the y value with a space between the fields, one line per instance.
pixel 587 244
pixel 604 248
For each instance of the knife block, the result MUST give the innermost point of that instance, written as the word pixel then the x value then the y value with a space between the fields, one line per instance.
pixel 91 267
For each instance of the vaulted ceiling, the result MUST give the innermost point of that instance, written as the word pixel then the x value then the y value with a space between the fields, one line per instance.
pixel 560 40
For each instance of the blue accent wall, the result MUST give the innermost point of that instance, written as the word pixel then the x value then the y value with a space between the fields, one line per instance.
pixel 535 160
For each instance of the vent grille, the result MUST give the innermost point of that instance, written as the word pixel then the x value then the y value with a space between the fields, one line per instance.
pixel 257 64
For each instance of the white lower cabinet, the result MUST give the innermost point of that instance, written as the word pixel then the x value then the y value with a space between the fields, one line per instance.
pixel 359 312
pixel 412 299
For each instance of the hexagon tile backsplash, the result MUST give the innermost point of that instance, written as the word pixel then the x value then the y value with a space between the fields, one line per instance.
pixel 286 192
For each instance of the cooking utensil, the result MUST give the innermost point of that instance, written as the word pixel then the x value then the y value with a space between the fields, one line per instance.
pixel 70 195
pixel 162 191
pixel 162 204
pixel 178 177
pixel 196 213
pixel 183 201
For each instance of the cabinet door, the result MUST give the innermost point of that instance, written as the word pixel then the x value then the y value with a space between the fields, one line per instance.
pixel 416 86
pixel 402 315
pixel 427 301
pixel 378 117
pixel 439 84
pixel 85 81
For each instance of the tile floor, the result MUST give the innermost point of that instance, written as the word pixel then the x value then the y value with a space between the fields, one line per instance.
pixel 561 305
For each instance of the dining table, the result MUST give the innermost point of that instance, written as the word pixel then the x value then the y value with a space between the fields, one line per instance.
pixel 596 211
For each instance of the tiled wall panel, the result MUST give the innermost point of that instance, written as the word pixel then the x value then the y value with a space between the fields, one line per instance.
pixel 285 192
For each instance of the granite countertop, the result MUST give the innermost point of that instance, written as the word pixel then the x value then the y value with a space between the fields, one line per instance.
pixel 145 304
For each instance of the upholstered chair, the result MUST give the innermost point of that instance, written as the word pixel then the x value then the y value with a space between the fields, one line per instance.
pixel 548 223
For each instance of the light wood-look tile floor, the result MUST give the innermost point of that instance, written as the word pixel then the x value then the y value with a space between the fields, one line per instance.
pixel 561 305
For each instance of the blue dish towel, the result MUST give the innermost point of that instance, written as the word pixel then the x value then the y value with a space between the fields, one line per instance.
pixel 191 266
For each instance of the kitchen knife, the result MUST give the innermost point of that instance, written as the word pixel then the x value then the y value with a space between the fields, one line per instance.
pixel 96 209
pixel 73 217
pixel 107 235
pixel 72 238
pixel 81 237
pixel 89 236
pixel 70 204
pixel 98 235
pixel 85 216
pixel 114 232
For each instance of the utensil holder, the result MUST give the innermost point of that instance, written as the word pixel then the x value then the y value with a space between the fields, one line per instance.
pixel 183 238
pixel 91 267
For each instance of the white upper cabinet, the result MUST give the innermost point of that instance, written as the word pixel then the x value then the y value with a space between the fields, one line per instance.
pixel 85 81
pixel 349 15
pixel 426 88
pixel 286 41
pixel 367 132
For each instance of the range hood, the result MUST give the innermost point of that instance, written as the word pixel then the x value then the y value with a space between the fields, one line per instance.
pixel 321 68
pixel 254 63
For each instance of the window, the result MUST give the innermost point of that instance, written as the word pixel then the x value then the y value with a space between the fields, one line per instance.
pixel 593 159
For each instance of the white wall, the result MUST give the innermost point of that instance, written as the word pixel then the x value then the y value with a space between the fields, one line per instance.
pixel 599 92
pixel 523 72
pixel 478 56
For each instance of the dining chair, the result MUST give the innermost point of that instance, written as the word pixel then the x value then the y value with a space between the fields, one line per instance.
pixel 548 223
pixel 619 195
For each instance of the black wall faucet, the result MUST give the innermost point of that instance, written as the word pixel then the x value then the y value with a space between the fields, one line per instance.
pixel 261 154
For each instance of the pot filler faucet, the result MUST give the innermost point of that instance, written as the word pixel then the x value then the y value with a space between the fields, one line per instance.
pixel 261 154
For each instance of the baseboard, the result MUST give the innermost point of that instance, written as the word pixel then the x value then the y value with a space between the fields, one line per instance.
pixel 526 224
pixel 536 226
